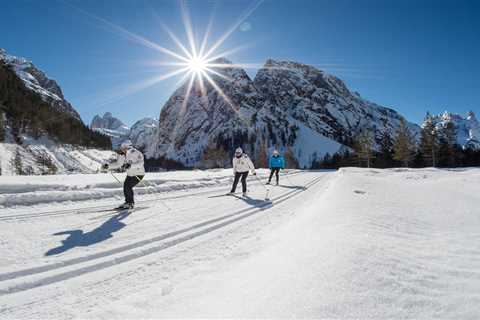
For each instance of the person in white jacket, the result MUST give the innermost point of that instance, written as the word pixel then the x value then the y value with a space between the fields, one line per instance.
pixel 132 161
pixel 242 165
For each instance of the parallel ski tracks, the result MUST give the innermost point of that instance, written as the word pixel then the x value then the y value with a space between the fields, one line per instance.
pixel 9 282
pixel 95 209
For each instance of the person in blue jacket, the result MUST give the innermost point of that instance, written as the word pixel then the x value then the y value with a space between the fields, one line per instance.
pixel 276 163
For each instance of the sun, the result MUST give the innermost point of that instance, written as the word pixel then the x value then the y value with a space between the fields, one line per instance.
pixel 197 65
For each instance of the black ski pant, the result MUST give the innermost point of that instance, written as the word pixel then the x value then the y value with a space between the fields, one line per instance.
pixel 239 175
pixel 130 182
pixel 272 171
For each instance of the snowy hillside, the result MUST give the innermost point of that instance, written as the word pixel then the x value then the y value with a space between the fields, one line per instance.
pixel 284 104
pixel 37 81
pixel 356 243
pixel 468 129
pixel 44 156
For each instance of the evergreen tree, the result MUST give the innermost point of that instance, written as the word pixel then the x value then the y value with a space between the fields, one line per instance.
pixel 215 157
pixel 403 144
pixel 2 126
pixel 448 145
pixel 429 143
pixel 385 154
pixel 17 162
pixel 290 160
pixel 261 156
pixel 364 147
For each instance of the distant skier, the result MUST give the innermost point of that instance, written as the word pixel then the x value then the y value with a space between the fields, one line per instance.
pixel 276 163
pixel 132 161
pixel 241 166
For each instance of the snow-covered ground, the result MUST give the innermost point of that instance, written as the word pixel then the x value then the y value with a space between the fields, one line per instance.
pixel 355 243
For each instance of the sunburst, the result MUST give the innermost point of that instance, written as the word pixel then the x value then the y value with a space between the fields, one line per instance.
pixel 192 62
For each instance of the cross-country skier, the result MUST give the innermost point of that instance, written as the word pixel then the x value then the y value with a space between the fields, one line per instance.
pixel 131 160
pixel 241 166
pixel 276 163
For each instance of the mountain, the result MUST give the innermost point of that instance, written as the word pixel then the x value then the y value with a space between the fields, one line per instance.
pixel 40 131
pixel 38 82
pixel 289 106
pixel 468 128
pixel 143 132
pixel 112 127
pixel 108 121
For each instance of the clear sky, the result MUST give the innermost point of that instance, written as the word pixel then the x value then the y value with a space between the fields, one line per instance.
pixel 411 55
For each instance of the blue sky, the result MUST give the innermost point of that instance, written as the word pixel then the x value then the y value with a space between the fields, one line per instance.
pixel 411 55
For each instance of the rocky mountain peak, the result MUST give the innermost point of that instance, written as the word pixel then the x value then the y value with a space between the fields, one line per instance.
pixel 108 121
pixel 37 81
pixel 288 106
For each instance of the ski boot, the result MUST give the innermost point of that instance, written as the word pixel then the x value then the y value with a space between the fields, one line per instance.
pixel 125 206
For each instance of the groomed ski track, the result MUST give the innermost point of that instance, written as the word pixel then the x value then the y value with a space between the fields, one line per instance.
pixel 194 218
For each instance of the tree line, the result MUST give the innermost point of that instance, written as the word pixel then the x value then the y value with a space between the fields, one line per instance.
pixel 437 147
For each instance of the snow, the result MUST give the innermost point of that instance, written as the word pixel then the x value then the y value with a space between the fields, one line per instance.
pixel 353 243
pixel 66 158
pixel 310 143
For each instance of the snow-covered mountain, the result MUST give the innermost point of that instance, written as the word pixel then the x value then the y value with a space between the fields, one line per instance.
pixel 37 81
pixel 142 133
pixel 111 127
pixel 290 106
pixel 41 132
pixel 468 128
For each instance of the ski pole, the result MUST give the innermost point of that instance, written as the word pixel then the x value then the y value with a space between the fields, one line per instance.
pixel 267 195
pixel 115 178
pixel 148 189
pixel 261 182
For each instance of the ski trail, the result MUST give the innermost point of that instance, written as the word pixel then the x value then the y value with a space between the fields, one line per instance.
pixel 112 259
pixel 95 209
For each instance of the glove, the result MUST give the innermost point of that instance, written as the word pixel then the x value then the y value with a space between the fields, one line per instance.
pixel 127 166
pixel 105 166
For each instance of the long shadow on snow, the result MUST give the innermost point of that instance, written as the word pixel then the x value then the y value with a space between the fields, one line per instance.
pixel 255 202
pixel 293 187
pixel 76 238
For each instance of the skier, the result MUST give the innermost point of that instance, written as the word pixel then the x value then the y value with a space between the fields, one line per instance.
pixel 131 160
pixel 276 163
pixel 241 166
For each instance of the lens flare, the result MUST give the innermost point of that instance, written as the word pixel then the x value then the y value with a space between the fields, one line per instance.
pixel 197 65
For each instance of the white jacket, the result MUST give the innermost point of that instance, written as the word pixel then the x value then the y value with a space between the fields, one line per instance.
pixel 243 164
pixel 134 158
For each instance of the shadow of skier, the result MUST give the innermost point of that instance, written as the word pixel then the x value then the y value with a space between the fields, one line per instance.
pixel 293 187
pixel 76 238
pixel 255 202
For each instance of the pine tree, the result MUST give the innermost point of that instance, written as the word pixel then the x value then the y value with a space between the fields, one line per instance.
pixel 404 144
pixel 429 141
pixel 384 157
pixel 364 147
pixel 261 157
pixel 2 126
pixel 17 162
pixel 290 160
pixel 448 144
pixel 214 157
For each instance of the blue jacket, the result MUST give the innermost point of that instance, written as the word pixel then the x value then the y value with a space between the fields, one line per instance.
pixel 277 162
